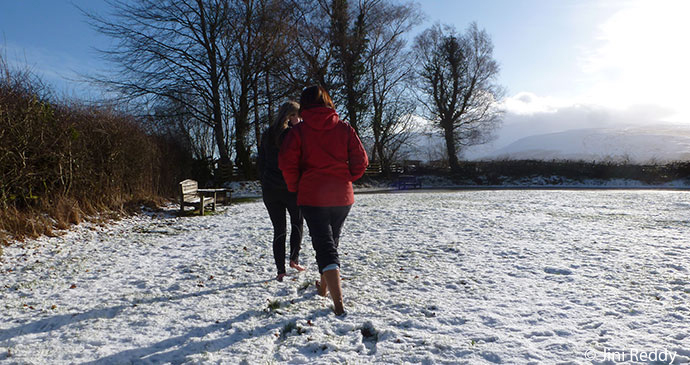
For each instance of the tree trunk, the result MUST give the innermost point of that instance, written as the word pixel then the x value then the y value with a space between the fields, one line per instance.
pixel 269 99
pixel 218 130
pixel 257 116
pixel 241 131
pixel 450 145
pixel 352 110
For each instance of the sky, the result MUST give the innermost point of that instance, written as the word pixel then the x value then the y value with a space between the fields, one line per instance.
pixel 565 64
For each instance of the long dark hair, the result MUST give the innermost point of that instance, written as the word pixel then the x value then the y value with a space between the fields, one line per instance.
pixel 280 123
pixel 315 96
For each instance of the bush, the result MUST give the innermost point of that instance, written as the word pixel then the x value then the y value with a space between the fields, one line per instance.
pixel 63 161
pixel 500 171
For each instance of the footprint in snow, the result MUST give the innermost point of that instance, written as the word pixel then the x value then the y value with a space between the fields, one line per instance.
pixel 557 271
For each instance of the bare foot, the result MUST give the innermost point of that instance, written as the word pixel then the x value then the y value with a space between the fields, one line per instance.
pixel 321 290
pixel 280 277
pixel 296 266
pixel 339 310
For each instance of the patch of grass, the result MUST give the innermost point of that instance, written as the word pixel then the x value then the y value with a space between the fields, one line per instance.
pixel 216 212
pixel 291 327
pixel 187 213
pixel 369 333
pixel 304 286
pixel 244 200
pixel 195 212
pixel 273 304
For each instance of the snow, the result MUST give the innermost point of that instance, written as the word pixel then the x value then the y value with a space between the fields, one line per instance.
pixel 471 276
pixel 631 144
pixel 660 143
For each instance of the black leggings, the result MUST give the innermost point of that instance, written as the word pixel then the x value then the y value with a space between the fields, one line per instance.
pixel 325 224
pixel 277 202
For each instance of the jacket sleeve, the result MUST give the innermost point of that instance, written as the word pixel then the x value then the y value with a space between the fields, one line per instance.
pixel 261 161
pixel 357 156
pixel 288 159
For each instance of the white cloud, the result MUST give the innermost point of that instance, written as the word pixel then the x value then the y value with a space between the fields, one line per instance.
pixel 527 103
pixel 528 114
pixel 636 74
pixel 642 57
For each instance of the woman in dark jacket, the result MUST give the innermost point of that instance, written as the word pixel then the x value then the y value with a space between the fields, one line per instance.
pixel 276 196
pixel 320 158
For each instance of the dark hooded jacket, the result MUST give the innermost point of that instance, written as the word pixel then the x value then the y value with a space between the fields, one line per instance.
pixel 269 174
pixel 321 157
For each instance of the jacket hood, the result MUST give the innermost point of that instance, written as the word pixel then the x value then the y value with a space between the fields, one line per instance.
pixel 320 118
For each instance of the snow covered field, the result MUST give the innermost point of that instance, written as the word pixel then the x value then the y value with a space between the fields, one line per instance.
pixel 493 276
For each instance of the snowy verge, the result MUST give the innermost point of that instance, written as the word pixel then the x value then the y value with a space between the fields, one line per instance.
pixel 479 277
pixel 252 189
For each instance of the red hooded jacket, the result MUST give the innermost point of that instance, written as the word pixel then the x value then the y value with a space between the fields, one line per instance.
pixel 320 158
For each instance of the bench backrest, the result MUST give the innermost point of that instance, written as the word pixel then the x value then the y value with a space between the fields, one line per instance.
pixel 373 168
pixel 188 189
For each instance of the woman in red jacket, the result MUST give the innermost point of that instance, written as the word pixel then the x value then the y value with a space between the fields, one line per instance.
pixel 320 158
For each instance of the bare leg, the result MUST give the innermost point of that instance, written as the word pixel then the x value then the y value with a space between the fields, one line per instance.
pixel 332 278
pixel 322 286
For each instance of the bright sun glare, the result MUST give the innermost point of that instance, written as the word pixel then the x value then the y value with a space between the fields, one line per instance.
pixel 643 58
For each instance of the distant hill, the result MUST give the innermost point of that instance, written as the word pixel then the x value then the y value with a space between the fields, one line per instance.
pixel 631 144
pixel 634 144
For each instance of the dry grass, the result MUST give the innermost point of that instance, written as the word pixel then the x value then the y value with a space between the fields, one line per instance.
pixel 64 162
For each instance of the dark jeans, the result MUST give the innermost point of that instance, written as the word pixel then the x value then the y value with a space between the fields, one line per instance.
pixel 325 224
pixel 277 202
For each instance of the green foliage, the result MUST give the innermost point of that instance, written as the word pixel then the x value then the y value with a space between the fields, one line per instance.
pixel 274 304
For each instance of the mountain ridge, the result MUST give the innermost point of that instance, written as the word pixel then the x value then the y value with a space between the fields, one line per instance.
pixel 648 144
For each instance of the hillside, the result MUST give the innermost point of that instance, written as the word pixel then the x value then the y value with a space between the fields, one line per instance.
pixel 632 144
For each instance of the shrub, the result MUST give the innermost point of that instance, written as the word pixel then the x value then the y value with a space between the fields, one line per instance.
pixel 63 161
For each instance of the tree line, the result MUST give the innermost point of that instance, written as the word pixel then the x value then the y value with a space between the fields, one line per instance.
pixel 211 73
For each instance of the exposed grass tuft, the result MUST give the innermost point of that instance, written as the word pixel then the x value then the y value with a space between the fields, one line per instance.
pixel 274 304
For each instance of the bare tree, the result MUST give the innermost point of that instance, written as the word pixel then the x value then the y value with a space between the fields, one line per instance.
pixel 174 119
pixel 311 55
pixel 459 92
pixel 332 50
pixel 254 44
pixel 272 88
pixel 170 50
pixel 390 71
pixel 348 33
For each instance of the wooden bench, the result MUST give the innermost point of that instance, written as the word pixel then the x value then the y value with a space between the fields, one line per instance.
pixel 220 195
pixel 407 181
pixel 191 196
pixel 374 168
